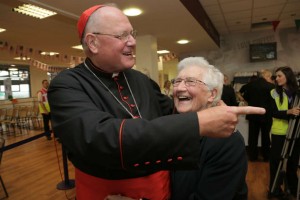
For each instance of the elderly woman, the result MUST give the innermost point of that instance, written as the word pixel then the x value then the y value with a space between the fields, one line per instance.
pixel 223 162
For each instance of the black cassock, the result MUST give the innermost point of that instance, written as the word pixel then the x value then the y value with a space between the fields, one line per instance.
pixel 102 139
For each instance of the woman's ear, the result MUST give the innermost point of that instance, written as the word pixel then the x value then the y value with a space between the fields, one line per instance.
pixel 92 43
pixel 213 94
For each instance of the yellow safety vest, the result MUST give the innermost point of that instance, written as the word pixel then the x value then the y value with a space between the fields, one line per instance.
pixel 280 126
pixel 44 100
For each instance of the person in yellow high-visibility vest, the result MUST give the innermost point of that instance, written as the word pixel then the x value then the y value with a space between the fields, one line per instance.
pixel 284 94
pixel 44 108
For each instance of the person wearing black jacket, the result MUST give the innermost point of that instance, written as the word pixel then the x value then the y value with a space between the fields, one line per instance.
pixel 228 94
pixel 222 165
pixel 257 93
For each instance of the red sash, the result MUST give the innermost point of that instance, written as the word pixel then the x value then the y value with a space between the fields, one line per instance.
pixel 155 186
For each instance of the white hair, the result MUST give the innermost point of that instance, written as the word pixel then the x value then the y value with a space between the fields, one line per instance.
pixel 213 77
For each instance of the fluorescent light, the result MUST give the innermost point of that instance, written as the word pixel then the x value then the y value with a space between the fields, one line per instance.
pixel 77 47
pixel 132 12
pixel 183 41
pixel 22 58
pixel 49 53
pixel 2 30
pixel 163 51
pixel 12 69
pixel 34 11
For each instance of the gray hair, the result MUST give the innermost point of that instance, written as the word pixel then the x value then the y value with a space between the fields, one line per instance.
pixel 213 77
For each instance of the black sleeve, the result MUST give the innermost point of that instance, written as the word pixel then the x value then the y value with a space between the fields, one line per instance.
pixel 165 102
pixel 279 114
pixel 233 97
pixel 223 170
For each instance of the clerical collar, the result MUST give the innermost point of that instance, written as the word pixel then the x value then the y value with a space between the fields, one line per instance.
pixel 90 63
pixel 115 74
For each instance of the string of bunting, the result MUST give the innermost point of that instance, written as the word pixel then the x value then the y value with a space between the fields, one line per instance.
pixel 169 56
pixel 28 53
pixel 35 56
pixel 45 67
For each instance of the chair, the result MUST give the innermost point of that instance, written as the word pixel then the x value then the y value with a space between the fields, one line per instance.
pixel 22 121
pixel 11 119
pixel 2 119
pixel 2 143
pixel 34 117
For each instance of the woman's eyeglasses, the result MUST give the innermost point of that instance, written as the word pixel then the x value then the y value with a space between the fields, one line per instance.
pixel 187 81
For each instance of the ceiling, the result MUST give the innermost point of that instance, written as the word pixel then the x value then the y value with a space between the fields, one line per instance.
pixel 167 20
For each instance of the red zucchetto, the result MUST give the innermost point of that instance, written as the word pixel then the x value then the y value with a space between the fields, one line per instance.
pixel 84 18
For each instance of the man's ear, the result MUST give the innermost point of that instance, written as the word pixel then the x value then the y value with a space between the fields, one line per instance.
pixel 92 42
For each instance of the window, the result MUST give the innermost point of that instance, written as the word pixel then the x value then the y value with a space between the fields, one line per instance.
pixel 16 82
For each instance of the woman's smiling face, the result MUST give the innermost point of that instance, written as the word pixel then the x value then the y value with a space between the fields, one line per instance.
pixel 191 98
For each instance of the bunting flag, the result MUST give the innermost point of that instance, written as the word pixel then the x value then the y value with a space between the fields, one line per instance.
pixel 3 45
pixel 275 24
pixel 297 22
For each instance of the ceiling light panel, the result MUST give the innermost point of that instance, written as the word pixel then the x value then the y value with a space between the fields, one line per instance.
pixel 34 11
pixel 132 12
pixel 78 47
pixel 183 41
pixel 163 51
pixel 44 53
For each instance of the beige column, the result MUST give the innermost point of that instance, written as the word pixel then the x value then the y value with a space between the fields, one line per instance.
pixel 146 56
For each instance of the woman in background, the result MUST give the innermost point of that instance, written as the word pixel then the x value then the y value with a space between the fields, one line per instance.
pixel 284 95
pixel 167 89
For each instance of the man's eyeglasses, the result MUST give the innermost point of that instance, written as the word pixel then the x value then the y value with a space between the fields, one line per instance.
pixel 187 81
pixel 124 37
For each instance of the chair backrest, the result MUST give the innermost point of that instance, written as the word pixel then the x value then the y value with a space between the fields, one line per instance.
pixel 2 114
pixel 12 113
pixel 23 112
pixel 2 143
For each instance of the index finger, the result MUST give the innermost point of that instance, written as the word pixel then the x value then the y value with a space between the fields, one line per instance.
pixel 246 110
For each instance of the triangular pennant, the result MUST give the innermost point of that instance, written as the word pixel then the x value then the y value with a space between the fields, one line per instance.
pixel 275 24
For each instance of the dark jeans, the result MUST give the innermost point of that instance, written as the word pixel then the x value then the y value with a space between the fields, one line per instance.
pixel 255 126
pixel 46 120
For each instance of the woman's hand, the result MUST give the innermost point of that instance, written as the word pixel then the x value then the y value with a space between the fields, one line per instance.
pixel 293 111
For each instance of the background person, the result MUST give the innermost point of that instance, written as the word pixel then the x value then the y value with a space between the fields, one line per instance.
pixel 283 95
pixel 115 126
pixel 242 92
pixel 228 93
pixel 44 108
pixel 257 93
pixel 167 89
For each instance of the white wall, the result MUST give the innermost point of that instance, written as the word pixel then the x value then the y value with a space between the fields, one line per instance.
pixel 233 55
pixel 36 78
